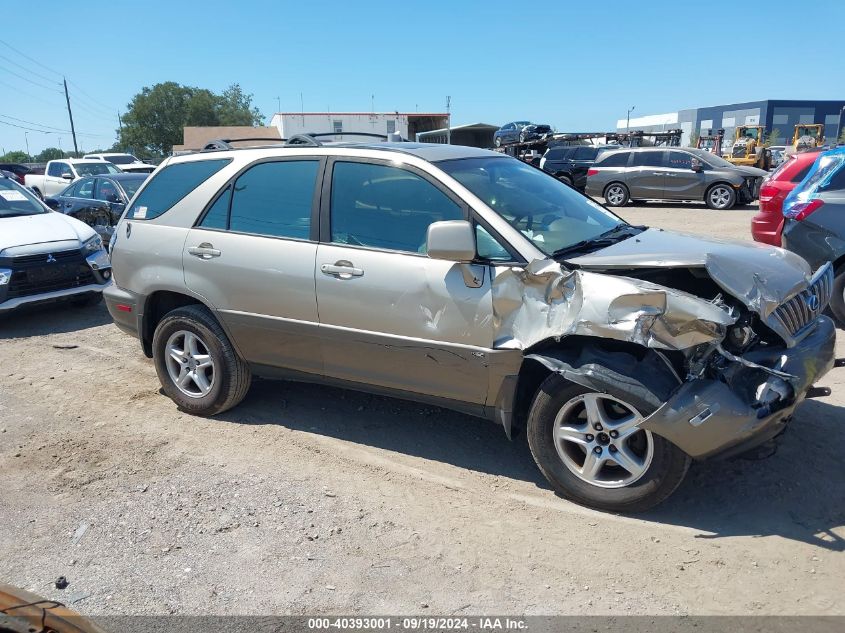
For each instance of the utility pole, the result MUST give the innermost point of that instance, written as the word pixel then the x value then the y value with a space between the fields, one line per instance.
pixel 26 138
pixel 628 124
pixel 70 115
pixel 448 121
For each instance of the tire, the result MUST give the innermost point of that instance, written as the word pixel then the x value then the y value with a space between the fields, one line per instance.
pixel 837 300
pixel 566 180
pixel 616 195
pixel 217 387
pixel 720 197
pixel 661 465
pixel 522 137
pixel 91 299
pixel 37 193
pixel 497 141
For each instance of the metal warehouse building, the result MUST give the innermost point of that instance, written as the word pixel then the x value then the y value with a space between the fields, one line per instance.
pixel 777 116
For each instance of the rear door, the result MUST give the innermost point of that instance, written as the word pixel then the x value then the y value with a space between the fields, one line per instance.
pixel 53 181
pixel 389 315
pixel 682 183
pixel 580 161
pixel 251 256
pixel 646 177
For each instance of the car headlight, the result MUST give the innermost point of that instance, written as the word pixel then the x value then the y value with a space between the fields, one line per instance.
pixel 5 276
pixel 92 245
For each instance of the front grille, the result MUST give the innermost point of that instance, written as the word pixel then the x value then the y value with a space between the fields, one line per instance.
pixel 801 310
pixel 35 275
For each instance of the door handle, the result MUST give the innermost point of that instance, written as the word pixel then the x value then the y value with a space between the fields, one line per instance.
pixel 341 269
pixel 204 251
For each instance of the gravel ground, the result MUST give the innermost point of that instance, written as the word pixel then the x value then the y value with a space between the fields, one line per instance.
pixel 308 499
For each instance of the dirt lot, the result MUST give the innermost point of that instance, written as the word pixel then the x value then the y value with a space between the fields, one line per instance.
pixel 307 499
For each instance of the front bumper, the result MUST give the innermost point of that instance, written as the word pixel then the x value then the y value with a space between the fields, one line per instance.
pixel 708 417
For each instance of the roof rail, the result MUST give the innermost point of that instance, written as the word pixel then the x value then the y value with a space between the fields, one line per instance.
pixel 220 144
pixel 303 139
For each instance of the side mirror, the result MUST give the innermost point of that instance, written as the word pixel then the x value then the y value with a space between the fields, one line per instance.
pixel 67 175
pixel 696 165
pixel 52 203
pixel 452 240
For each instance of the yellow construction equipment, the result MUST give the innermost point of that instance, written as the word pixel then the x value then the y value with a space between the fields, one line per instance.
pixel 748 148
pixel 807 136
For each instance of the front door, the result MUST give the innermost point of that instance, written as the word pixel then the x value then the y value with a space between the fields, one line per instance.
pixel 682 183
pixel 646 176
pixel 389 315
pixel 251 256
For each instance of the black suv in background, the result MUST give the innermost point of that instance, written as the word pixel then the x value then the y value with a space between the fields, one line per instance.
pixel 570 163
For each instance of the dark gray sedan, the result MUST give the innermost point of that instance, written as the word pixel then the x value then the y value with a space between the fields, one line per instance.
pixel 672 173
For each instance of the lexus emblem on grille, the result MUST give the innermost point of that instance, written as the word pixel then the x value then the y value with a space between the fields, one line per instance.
pixel 51 259
pixel 813 302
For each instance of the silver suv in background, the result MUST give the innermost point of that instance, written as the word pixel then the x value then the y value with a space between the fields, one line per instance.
pixel 468 279
pixel 672 173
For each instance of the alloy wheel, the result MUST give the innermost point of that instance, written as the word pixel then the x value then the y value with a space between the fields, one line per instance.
pixel 189 364
pixel 720 197
pixel 615 195
pixel 599 440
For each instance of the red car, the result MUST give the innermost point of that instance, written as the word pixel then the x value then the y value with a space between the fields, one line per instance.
pixel 767 225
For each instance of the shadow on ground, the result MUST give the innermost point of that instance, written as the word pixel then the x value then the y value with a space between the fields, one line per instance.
pixel 799 493
pixel 51 318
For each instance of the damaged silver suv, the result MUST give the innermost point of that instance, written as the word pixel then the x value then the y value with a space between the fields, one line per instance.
pixel 468 279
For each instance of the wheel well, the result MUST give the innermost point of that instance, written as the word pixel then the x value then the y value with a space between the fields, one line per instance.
pixel 157 305
pixel 532 373
pixel 720 182
pixel 616 182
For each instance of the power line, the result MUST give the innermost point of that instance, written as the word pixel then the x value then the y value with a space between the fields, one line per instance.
pixel 33 82
pixel 27 94
pixel 51 130
pixel 29 70
pixel 92 99
pixel 34 61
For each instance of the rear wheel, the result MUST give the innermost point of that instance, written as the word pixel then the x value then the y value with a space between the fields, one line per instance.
pixel 565 180
pixel 522 137
pixel 196 364
pixel 616 194
pixel 498 141
pixel 590 447
pixel 720 197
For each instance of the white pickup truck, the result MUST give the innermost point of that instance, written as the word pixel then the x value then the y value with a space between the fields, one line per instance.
pixel 60 173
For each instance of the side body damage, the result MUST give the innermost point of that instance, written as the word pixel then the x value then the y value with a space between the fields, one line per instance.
pixel 722 372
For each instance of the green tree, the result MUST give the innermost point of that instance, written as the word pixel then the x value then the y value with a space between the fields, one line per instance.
pixel 51 153
pixel 156 116
pixel 235 108
pixel 17 156
pixel 842 137
pixel 693 139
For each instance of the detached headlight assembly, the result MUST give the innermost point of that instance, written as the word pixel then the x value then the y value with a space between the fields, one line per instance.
pixel 5 276
pixel 92 245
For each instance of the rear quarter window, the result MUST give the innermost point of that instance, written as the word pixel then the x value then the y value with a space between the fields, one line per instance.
pixel 170 185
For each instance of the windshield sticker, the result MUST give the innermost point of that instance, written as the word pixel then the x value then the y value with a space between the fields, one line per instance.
pixel 140 213
pixel 10 195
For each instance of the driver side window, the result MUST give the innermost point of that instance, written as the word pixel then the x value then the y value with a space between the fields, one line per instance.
pixel 385 207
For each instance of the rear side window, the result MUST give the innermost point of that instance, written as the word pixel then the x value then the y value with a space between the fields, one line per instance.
pixel 613 159
pixel 801 173
pixel 561 153
pixel 275 199
pixel 648 159
pixel 585 153
pixel 171 184
pixel 385 207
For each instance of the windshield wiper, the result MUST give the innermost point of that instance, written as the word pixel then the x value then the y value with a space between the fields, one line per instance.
pixel 611 236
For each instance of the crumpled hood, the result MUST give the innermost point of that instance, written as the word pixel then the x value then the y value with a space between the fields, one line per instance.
pixel 751 171
pixel 760 276
pixel 42 228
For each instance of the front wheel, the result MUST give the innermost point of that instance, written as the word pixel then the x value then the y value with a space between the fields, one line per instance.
pixel 590 447
pixel 196 364
pixel 837 301
pixel 720 197
pixel 498 141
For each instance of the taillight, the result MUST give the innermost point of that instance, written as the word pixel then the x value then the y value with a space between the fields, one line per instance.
pixel 767 192
pixel 800 210
pixel 592 172
pixel 20 178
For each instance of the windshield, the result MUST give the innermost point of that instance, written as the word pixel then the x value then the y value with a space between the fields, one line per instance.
pixel 16 201
pixel 96 169
pixel 546 211
pixel 713 160
pixel 130 186
pixel 121 159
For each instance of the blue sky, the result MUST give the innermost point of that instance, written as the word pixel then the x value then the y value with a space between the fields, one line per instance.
pixel 575 65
